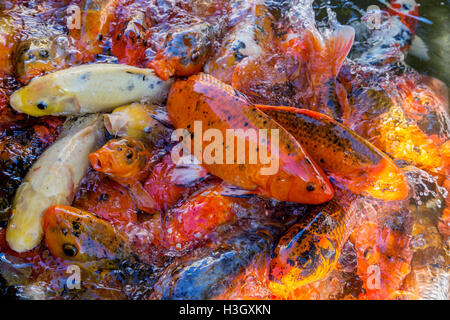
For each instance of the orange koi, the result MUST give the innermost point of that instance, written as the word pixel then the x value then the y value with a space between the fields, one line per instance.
pixel 185 52
pixel 384 260
pixel 96 24
pixel 323 59
pixel 161 189
pixel 122 159
pixel 404 140
pixel 310 249
pixel 249 38
pixel 126 161
pixel 198 217
pixel 106 199
pixel 218 106
pixel 343 153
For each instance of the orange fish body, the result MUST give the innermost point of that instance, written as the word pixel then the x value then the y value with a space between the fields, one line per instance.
pixel 248 38
pixel 126 161
pixel 185 52
pixel 218 106
pixel 197 218
pixel 388 250
pixel 342 153
pixel 107 199
pixel 310 249
pixel 129 43
pixel 160 188
pixel 77 235
pixel 405 140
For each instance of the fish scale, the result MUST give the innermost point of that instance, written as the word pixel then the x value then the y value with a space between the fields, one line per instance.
pixel 218 106
pixel 310 249
pixel 342 153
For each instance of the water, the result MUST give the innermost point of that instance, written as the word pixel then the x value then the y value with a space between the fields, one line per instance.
pixel 433 28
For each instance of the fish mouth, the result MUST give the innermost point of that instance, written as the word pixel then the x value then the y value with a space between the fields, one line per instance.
pixel 100 162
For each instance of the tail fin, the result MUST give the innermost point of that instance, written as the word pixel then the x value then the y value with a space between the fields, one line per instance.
pixel 338 46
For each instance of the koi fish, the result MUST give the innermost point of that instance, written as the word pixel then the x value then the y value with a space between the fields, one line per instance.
pixel 403 139
pixel 107 199
pixel 39 55
pixel 96 23
pixel 387 246
pixel 219 106
pixel 302 70
pixel 160 185
pixel 137 121
pixel 129 38
pixel 248 38
pixel 391 38
pixel 199 216
pixel 323 59
pixel 77 235
pixel 185 51
pixel 342 153
pixel 88 88
pixel 126 161
pixel 53 179
pixel 211 274
pixel 310 249
pixel 430 259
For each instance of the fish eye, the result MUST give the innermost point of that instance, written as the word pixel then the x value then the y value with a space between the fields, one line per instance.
pixel 42 105
pixel 195 56
pixel 311 187
pixel 70 250
pixel 44 53
pixel 129 154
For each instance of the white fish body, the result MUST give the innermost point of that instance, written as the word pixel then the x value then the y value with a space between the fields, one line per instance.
pixel 90 88
pixel 53 179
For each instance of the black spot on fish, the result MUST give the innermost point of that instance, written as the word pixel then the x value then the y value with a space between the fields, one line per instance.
pixel 85 76
pixel 76 225
pixel 131 86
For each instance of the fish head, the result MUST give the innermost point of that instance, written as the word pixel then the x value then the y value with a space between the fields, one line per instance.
pixel 307 187
pixel 42 97
pixel 121 158
pixel 77 235
pixel 40 55
pixel 191 46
